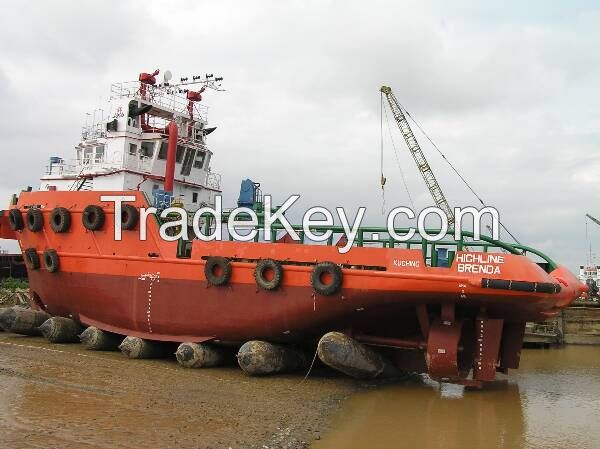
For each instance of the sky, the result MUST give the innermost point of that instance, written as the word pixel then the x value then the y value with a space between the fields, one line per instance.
pixel 509 92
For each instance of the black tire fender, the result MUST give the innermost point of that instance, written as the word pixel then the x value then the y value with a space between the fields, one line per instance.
pixel 326 288
pixel 51 261
pixel 93 217
pixel 60 219
pixel 32 259
pixel 261 269
pixel 35 219
pixel 220 263
pixel 15 220
pixel 129 217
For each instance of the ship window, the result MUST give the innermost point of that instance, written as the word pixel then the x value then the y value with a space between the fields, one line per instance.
pixel 147 149
pixel 199 162
pixel 164 147
pixel 88 153
pixel 186 168
pixel 194 197
pixel 132 149
pixel 100 152
pixel 155 187
pixel 179 155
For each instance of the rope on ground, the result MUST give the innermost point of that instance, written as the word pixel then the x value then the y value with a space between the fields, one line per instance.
pixel 310 367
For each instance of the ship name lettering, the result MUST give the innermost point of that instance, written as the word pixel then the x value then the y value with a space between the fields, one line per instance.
pixel 478 268
pixel 406 263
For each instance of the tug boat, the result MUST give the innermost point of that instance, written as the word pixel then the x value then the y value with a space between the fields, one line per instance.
pixel 455 312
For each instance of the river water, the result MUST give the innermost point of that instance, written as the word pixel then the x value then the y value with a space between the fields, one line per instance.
pixel 552 401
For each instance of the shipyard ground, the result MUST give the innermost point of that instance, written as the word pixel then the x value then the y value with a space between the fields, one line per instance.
pixel 63 396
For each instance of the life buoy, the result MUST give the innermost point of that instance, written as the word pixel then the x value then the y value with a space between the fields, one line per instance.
pixel 217 270
pixel 93 217
pixel 60 219
pixel 35 219
pixel 51 262
pixel 32 259
pixel 129 217
pixel 326 278
pixel 15 220
pixel 268 274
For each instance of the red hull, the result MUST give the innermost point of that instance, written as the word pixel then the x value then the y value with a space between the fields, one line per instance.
pixel 141 288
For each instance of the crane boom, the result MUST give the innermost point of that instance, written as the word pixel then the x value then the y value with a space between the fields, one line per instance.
pixel 595 220
pixel 415 150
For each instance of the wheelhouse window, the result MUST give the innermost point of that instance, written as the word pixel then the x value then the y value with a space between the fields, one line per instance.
pixel 100 152
pixel 88 154
pixel 200 157
pixel 132 149
pixel 186 168
pixel 164 147
pixel 179 154
pixel 147 149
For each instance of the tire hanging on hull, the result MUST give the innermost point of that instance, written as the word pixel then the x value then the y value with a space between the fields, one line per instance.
pixel 15 220
pixel 32 259
pixel 60 219
pixel 35 219
pixel 217 270
pixel 93 217
pixel 323 286
pixel 51 261
pixel 260 274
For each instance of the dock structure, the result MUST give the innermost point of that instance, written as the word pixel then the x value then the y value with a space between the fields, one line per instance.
pixel 581 325
pixel 545 334
pixel 578 324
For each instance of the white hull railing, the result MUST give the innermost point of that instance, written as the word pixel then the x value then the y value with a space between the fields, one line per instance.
pixel 90 165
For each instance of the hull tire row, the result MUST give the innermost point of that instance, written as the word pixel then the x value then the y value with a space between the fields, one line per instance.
pixel 92 218
pixel 326 277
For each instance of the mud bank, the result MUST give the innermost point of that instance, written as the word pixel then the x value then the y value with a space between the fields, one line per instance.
pixel 63 396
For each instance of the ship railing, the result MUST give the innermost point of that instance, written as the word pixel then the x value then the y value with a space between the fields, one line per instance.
pixel 93 164
pixel 379 237
pixel 59 168
pixel 93 131
pixel 164 97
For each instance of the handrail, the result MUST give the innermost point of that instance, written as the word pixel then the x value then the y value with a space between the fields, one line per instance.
pixel 488 242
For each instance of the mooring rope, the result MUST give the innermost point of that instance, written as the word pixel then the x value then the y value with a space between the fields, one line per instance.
pixel 311 366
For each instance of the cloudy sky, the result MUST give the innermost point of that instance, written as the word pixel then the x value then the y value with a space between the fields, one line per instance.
pixel 509 92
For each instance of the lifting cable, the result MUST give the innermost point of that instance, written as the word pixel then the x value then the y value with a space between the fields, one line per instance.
pixel 382 178
pixel 454 169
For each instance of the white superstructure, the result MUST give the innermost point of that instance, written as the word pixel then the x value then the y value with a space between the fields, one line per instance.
pixel 127 148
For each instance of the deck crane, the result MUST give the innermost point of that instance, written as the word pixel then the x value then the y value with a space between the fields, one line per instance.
pixel 595 220
pixel 415 150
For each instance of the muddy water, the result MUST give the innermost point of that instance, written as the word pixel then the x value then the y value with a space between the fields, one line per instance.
pixel 552 401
